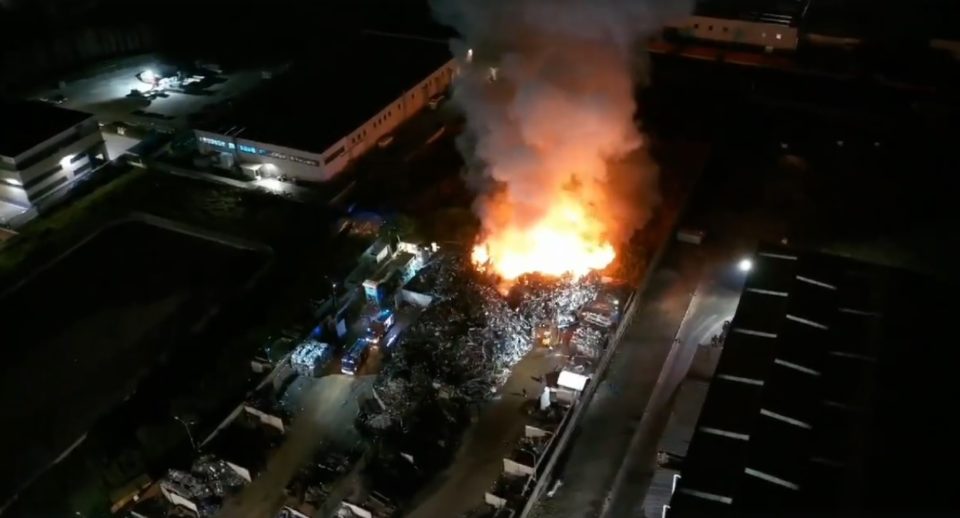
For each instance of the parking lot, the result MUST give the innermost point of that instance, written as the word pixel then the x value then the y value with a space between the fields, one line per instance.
pixel 105 90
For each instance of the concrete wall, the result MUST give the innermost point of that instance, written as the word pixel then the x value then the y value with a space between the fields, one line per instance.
pixel 534 432
pixel 420 300
pixel 398 111
pixel 494 500
pixel 280 160
pixel 391 116
pixel 512 467
pixel 724 30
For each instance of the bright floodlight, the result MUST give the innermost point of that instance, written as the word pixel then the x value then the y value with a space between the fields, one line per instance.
pixel 148 76
pixel 271 184
pixel 65 161
pixel 745 265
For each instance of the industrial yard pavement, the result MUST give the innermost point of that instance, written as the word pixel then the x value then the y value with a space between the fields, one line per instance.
pixel 478 462
pixel 327 411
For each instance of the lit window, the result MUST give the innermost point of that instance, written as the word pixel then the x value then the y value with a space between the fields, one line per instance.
pixel 778 36
pixel 763 35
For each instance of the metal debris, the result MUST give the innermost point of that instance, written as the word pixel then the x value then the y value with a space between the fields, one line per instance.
pixel 464 345
pixel 207 483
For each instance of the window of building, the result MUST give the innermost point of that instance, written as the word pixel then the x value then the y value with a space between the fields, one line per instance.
pixel 81 170
pixel 696 26
pixel 710 27
pixel 335 155
pixel 725 29
pixel 778 36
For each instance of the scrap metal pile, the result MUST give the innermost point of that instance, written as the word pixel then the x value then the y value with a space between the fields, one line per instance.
pixel 587 341
pixel 310 355
pixel 206 484
pixel 465 343
pixel 314 481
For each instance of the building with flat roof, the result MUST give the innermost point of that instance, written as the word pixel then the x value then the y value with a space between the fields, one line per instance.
pixel 833 395
pixel 43 149
pixel 311 122
pixel 771 24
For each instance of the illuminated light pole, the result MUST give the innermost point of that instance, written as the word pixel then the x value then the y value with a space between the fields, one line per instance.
pixel 187 428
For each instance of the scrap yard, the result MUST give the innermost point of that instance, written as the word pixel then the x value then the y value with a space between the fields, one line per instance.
pixel 448 357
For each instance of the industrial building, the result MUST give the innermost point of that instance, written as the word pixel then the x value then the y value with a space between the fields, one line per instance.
pixel 43 149
pixel 833 395
pixel 311 122
pixel 786 25
pixel 773 25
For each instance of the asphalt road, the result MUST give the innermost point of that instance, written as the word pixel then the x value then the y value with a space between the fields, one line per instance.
pixel 714 301
pixel 478 462
pixel 328 409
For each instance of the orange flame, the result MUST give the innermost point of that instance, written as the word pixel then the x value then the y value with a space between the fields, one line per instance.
pixel 566 240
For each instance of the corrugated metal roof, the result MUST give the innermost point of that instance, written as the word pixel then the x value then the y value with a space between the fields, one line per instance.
pixel 804 411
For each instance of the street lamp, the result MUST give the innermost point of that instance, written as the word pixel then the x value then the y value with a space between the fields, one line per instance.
pixel 745 265
pixel 187 428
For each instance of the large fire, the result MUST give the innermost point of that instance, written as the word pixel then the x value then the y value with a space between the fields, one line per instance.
pixel 568 240
pixel 551 145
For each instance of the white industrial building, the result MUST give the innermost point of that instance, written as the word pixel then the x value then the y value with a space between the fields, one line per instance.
pixel 773 25
pixel 310 124
pixel 43 150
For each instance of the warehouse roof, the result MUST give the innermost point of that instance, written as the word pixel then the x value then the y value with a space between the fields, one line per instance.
pixel 28 123
pixel 314 105
pixel 781 12
pixel 823 391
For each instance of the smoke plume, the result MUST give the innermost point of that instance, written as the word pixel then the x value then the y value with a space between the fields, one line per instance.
pixel 548 88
